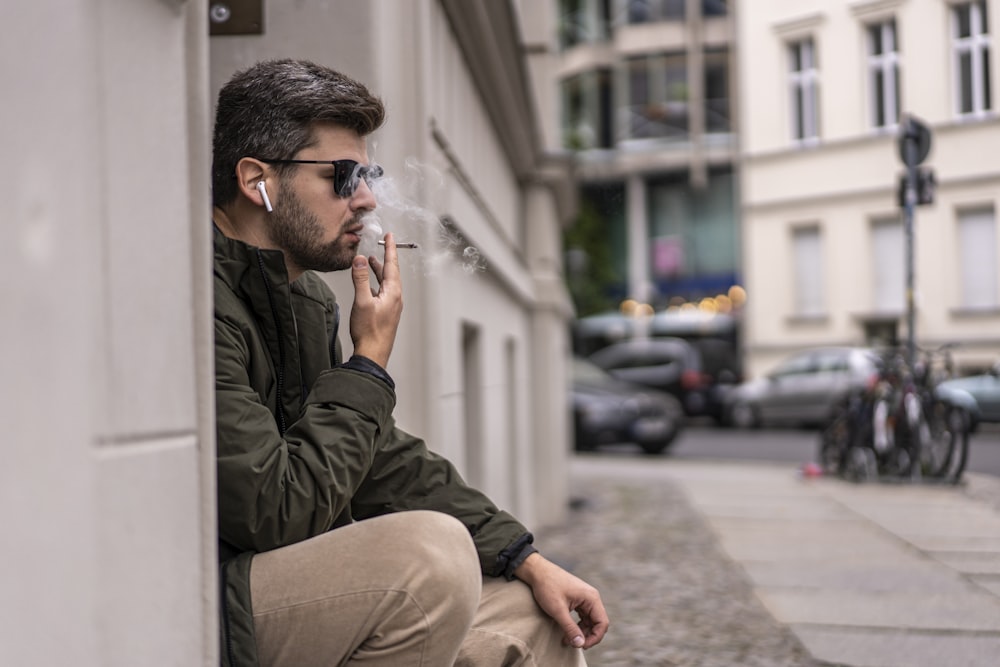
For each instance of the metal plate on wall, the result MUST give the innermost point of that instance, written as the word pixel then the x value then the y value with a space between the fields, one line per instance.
pixel 236 17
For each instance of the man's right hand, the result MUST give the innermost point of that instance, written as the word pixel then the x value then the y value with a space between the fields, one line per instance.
pixel 375 313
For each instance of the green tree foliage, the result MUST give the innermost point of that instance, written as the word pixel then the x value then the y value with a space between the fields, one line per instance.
pixel 590 272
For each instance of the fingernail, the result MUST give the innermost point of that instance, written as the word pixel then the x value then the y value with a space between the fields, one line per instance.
pixel 578 641
pixel 360 262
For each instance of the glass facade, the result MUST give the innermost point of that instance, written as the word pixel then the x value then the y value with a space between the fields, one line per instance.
pixel 646 103
pixel 693 240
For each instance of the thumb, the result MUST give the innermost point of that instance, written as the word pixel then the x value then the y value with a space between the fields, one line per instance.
pixel 571 630
pixel 359 273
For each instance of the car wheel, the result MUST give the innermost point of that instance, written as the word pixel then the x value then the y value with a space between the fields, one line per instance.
pixel 744 415
pixel 662 445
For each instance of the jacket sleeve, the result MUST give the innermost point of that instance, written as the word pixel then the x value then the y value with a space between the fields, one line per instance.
pixel 406 475
pixel 274 490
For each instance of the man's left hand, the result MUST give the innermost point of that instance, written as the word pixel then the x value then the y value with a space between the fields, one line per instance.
pixel 560 593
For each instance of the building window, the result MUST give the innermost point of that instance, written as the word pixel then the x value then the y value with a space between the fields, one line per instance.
pixel 583 21
pixel 586 105
pixel 804 84
pixel 658 97
pixel 977 239
pixel 472 404
pixel 807 258
pixel 887 266
pixel 649 11
pixel 883 74
pixel 714 7
pixel 717 109
pixel 971 49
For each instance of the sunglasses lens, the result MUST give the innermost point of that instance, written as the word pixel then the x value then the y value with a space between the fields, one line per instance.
pixel 345 177
pixel 372 174
pixel 349 174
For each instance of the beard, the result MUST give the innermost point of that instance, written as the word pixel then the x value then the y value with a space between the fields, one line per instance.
pixel 299 234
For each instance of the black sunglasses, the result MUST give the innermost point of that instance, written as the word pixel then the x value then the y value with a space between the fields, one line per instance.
pixel 347 174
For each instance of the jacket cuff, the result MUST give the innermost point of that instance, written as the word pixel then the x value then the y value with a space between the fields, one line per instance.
pixel 362 393
pixel 366 365
pixel 512 557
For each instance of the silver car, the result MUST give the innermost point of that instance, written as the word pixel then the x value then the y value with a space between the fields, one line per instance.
pixel 802 390
pixel 984 388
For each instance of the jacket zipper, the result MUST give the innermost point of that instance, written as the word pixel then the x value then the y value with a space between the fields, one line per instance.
pixel 281 346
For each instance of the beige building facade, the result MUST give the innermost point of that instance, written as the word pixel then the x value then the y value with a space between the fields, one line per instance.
pixel 108 481
pixel 824 84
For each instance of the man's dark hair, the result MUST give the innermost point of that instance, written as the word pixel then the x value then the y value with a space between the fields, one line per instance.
pixel 268 111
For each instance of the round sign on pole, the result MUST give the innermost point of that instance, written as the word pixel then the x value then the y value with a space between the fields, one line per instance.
pixel 913 130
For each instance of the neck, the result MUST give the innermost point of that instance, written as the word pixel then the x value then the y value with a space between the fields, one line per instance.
pixel 230 225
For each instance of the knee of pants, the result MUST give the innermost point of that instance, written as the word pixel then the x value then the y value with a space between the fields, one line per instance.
pixel 441 546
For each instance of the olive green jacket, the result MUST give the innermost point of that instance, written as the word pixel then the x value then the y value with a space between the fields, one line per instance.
pixel 305 443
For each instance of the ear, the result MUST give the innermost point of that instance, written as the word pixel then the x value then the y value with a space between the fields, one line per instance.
pixel 250 172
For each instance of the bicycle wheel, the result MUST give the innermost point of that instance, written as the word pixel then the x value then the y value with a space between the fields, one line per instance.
pixel 960 451
pixel 834 441
pixel 860 465
pixel 938 438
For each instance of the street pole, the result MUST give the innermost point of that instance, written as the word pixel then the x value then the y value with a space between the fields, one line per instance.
pixel 914 146
pixel 909 204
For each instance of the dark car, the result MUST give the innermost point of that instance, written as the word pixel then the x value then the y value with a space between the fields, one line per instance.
pixel 805 389
pixel 672 365
pixel 606 410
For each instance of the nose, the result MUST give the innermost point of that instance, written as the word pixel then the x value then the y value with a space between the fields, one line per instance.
pixel 363 198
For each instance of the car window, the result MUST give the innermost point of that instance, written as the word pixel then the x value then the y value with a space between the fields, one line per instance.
pixel 637 356
pixel 583 371
pixel 831 360
pixel 796 366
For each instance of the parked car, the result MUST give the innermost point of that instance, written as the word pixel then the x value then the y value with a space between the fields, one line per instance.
pixel 984 388
pixel 805 389
pixel 607 410
pixel 672 365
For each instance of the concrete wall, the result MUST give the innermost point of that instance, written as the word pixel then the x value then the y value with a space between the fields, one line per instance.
pixel 107 485
pixel 848 179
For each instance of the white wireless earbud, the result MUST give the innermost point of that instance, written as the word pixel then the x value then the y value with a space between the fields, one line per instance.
pixel 262 189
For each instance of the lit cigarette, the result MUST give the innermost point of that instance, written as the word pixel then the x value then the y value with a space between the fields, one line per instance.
pixel 400 245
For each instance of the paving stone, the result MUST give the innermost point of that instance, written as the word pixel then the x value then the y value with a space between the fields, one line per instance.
pixel 972 609
pixel 868 648
pixel 704 564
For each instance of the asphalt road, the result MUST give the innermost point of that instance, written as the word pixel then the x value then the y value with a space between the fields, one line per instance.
pixel 701 440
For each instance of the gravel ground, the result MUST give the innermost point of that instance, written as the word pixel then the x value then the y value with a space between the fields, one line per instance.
pixel 674 598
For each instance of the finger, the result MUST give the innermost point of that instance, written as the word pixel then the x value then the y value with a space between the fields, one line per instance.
pixel 376 268
pixel 572 633
pixel 595 623
pixel 359 274
pixel 391 258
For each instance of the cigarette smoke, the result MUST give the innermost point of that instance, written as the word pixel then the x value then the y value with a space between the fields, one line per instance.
pixel 397 213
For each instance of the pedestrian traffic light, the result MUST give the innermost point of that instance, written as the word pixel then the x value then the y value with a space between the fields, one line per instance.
pixel 926 186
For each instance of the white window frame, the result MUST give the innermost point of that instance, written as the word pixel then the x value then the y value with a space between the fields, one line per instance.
pixel 886 64
pixel 977 45
pixel 977 260
pixel 888 279
pixel 808 277
pixel 804 81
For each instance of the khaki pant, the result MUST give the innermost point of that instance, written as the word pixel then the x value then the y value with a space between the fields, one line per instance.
pixel 400 590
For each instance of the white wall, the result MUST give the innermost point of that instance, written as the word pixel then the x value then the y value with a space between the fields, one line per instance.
pixel 107 487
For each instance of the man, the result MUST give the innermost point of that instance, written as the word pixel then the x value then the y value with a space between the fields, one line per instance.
pixel 343 538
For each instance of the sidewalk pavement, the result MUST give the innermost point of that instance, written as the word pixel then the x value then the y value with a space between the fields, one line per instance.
pixel 867 575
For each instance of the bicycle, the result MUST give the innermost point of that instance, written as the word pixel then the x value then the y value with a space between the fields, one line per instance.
pixel 899 425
